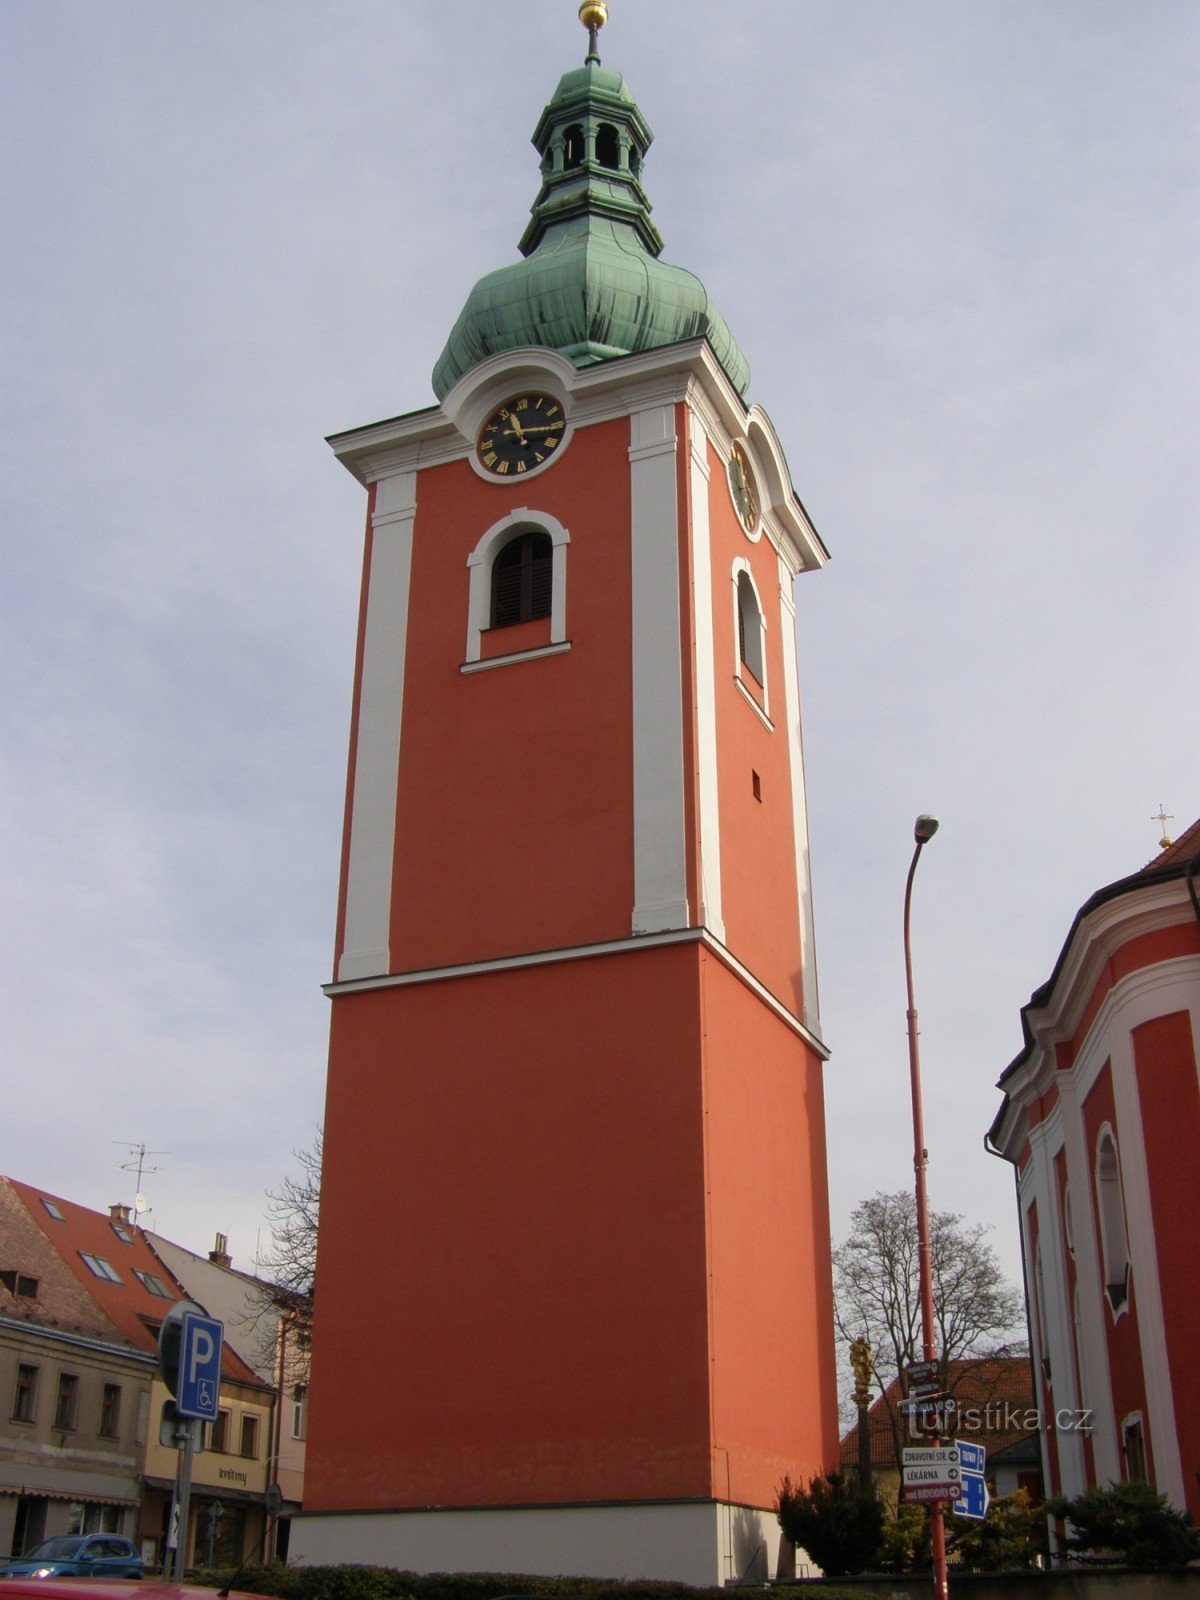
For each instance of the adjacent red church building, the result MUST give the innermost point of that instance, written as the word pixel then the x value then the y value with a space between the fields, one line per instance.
pixel 574 1308
pixel 1101 1119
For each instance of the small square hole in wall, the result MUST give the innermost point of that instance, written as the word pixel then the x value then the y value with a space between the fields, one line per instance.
pixel 757 782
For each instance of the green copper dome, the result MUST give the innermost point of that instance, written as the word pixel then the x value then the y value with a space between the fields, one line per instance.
pixel 591 285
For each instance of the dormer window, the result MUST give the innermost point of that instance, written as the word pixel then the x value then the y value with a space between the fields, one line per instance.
pixel 52 1210
pixel 20 1284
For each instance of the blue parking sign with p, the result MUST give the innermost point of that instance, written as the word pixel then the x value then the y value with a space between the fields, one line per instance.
pixel 200 1366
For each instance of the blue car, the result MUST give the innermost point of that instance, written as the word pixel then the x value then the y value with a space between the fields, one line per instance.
pixel 78 1555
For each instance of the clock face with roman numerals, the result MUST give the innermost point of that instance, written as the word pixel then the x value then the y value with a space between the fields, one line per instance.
pixel 523 433
pixel 743 487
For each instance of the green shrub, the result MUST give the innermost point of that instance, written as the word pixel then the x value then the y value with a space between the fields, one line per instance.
pixel 383 1583
pixel 904 1543
pixel 838 1520
pixel 1011 1538
pixel 1127 1523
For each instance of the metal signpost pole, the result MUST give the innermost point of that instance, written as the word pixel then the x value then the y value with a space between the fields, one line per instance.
pixel 924 830
pixel 185 1498
pixel 189 1353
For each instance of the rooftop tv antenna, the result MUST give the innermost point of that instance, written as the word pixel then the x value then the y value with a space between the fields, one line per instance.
pixel 137 1163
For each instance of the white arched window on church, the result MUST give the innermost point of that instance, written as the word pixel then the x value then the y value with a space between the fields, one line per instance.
pixel 522 578
pixel 517 589
pixel 1110 1205
pixel 751 634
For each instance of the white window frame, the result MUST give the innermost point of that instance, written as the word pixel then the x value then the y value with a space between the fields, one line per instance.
pixel 479 568
pixel 741 568
pixel 300 1411
pixel 1114 1229
pixel 1134 1419
pixel 101 1268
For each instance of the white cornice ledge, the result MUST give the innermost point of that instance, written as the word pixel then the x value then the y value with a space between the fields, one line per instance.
pixel 679 372
pixel 1094 942
pixel 468 969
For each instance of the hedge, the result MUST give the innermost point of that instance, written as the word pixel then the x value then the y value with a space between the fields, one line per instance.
pixel 383 1583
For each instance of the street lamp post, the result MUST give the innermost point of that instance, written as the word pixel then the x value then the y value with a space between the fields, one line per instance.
pixel 923 831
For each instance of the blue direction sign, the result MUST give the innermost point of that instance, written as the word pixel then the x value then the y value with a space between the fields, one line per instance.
pixel 974 1499
pixel 973 1502
pixel 200 1366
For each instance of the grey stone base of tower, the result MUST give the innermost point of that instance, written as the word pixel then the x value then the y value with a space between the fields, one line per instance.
pixel 705 1543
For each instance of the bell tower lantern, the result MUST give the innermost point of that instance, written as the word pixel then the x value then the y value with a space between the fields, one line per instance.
pixel 574 1311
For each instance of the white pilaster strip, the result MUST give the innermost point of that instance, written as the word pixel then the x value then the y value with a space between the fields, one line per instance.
pixel 659 847
pixel 804 899
pixel 1143 1250
pixel 1055 1318
pixel 1095 1315
pixel 377 747
pixel 710 914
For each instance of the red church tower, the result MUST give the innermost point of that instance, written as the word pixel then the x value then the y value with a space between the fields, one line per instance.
pixel 574 1309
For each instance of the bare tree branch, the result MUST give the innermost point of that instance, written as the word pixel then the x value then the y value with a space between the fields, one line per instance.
pixel 877 1291
pixel 288 1269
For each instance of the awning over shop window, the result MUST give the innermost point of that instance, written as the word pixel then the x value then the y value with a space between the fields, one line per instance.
pixel 88 1493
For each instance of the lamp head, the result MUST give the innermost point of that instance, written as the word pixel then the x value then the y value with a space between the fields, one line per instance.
pixel 925 828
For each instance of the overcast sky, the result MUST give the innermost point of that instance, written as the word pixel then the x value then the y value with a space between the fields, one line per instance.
pixel 958 244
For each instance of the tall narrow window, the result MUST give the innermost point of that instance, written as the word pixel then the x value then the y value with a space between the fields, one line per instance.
pixel 1135 1449
pixel 218 1433
pixel 1039 1311
pixel 750 629
pixel 608 146
pixel 522 579
pixel 249 1435
pixel 299 1410
pixel 573 150
pixel 1110 1202
pixel 110 1410
pixel 64 1405
pixel 24 1393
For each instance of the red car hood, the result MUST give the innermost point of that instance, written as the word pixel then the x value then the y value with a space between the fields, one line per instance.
pixel 106 1589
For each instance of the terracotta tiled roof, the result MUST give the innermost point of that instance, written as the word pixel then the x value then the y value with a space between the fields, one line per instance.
pixel 1171 865
pixel 128 1303
pixel 1183 849
pixel 996 1406
pixel 61 1301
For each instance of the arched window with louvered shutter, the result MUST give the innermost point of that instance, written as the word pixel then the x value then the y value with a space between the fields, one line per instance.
pixel 517 599
pixel 522 579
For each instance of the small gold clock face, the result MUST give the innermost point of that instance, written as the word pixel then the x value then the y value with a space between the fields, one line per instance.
pixel 743 488
pixel 523 433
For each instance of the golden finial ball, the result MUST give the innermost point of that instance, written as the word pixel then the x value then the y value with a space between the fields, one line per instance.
pixel 593 13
